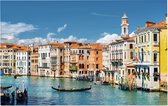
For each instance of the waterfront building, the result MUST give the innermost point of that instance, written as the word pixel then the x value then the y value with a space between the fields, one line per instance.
pixel 34 61
pixel 50 60
pixel 105 62
pixel 57 59
pixel 95 60
pixel 66 58
pixel 23 61
pixel 7 57
pixel 44 60
pixel 163 48
pixel 83 53
pixel 151 54
pixel 121 53
pixel 70 58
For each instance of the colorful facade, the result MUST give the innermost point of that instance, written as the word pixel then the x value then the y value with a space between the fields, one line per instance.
pixel 163 48
pixel 149 64
pixel 50 61
pixel 121 54
pixel 34 61
pixel 8 57
pixel 23 62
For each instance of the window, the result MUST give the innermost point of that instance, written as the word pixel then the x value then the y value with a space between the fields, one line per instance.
pixel 61 59
pixel 148 36
pixel 142 39
pixel 133 70
pixel 124 30
pixel 128 71
pixel 131 55
pixel 125 55
pixel 32 61
pixel 142 54
pixel 87 57
pixel 60 50
pixel 48 54
pixel 155 57
pixel 82 66
pixel 145 38
pixel 155 71
pixel 148 70
pixel 44 64
pixel 131 46
pixel 97 66
pixel 155 37
pixel 88 51
pixel 97 52
pixel 87 66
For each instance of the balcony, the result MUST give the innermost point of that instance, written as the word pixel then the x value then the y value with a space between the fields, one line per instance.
pixel 43 58
pixel 53 62
pixel 73 68
pixel 155 43
pixel 53 68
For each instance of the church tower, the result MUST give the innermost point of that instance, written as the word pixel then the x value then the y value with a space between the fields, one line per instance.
pixel 124 26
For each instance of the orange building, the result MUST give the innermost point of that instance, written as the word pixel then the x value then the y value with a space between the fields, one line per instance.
pixel 95 59
pixel 34 61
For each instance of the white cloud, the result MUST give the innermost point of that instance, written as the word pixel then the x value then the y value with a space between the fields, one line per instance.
pixel 40 40
pixel 108 38
pixel 10 31
pixel 132 34
pixel 103 15
pixel 60 29
pixel 50 34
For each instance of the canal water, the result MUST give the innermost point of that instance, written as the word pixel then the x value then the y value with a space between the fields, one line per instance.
pixel 40 93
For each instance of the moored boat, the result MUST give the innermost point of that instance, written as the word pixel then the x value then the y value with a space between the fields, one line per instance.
pixel 5 88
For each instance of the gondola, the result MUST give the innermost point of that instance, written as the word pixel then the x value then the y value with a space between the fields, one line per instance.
pixel 71 89
pixel 5 88
pixel 5 95
pixel 21 96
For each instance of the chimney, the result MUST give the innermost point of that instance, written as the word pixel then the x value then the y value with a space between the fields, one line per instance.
pixel 149 23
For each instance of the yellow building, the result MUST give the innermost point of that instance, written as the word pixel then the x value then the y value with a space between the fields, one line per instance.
pixel 148 45
pixel 163 53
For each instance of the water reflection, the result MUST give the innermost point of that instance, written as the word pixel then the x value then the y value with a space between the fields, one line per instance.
pixel 40 92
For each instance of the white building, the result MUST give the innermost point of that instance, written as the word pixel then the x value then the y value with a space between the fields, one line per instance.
pixel 50 61
pixel 23 62
pixel 7 59
pixel 105 62
pixel 44 60
pixel 121 54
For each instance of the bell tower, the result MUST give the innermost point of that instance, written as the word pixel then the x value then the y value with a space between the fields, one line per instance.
pixel 124 26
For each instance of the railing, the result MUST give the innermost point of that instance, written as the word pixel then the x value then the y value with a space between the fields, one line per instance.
pixel 73 68
pixel 155 43
pixel 53 62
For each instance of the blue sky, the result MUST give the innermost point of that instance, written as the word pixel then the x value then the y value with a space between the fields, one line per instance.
pixel 82 19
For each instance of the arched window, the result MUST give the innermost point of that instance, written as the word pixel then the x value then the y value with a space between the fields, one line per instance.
pixel 131 55
pixel 124 30
pixel 79 66
pixel 142 54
